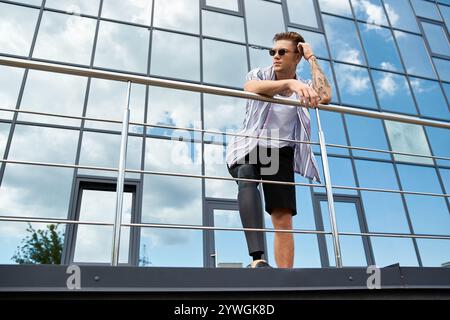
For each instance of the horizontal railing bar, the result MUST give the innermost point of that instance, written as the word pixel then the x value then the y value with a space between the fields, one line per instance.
pixel 224 133
pixel 186 175
pixel 57 165
pixel 119 76
pixel 60 221
pixel 395 235
pixel 193 227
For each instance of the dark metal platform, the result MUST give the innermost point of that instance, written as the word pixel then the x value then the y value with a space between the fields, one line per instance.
pixel 48 281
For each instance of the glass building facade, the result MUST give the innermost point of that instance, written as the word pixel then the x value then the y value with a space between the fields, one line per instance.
pixel 380 55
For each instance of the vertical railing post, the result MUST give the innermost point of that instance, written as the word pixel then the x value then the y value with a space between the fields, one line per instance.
pixel 331 211
pixel 121 179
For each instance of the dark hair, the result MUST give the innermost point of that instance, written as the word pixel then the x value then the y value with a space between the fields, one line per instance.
pixel 293 36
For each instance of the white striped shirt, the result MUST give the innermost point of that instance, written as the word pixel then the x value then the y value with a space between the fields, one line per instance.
pixel 256 118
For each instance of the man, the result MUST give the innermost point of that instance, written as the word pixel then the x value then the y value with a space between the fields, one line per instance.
pixel 247 155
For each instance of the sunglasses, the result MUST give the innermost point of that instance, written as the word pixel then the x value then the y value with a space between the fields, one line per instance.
pixel 281 52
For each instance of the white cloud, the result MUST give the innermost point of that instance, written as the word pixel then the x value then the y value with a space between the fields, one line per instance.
pixel 352 80
pixel 387 85
pixel 177 14
pixel 347 54
pixel 375 13
pixel 393 15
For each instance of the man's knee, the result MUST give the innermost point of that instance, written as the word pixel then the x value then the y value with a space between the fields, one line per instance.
pixel 282 218
pixel 247 171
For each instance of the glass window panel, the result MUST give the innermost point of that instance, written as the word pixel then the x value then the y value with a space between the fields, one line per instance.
pixel 429 215
pixel 16 28
pixel 341 174
pixel 41 144
pixel 393 92
pixel 4 133
pixel 378 175
pixel 76 6
pixel 401 15
pixel 346 216
pixel 93 243
pixel 223 113
pixel 182 15
pixel 316 40
pixel 229 246
pixel 215 71
pixel 445 11
pixel 380 47
pixel 415 55
pixel 420 179
pixel 367 133
pixel 13 234
pixel 173 155
pixel 137 11
pixel 172 200
pixel 434 253
pixel 223 26
pixel 171 248
pixel 215 165
pixel 389 251
pixel 446 87
pixel 436 37
pixel 35 191
pixel 122 47
pixel 103 150
pixel 302 12
pixel 107 100
pixel 305 211
pixel 64 37
pixel 343 40
pixel 333 129
pixel 355 86
pixel 439 142
pixel 173 107
pixel 443 68
pixel 426 9
pixel 340 7
pixel 370 10
pixel 408 138
pixel 53 93
pixel 10 82
pixel 384 212
pixel 224 4
pixel 259 58
pixel 445 174
pixel 352 251
pixel 184 60
pixel 429 98
pixel 260 29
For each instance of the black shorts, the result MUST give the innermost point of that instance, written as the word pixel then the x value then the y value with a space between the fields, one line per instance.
pixel 275 195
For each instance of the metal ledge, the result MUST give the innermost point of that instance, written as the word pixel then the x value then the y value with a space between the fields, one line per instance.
pixel 49 281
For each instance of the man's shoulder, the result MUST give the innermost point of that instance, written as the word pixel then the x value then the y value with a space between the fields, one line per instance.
pixel 262 73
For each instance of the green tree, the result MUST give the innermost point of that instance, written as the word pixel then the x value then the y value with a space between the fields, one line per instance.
pixel 40 246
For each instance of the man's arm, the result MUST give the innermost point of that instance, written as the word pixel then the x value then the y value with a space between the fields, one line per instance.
pixel 320 81
pixel 284 87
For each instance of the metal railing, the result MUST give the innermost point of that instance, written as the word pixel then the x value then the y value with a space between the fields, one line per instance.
pixel 121 170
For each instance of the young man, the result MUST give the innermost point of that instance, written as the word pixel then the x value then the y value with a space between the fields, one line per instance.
pixel 251 157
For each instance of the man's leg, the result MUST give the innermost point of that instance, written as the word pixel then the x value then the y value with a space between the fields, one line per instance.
pixel 250 208
pixel 284 242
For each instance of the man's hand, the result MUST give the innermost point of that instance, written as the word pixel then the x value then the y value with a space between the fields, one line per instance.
pixel 306 49
pixel 307 95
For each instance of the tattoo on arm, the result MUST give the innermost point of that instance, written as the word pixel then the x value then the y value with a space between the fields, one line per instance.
pixel 320 81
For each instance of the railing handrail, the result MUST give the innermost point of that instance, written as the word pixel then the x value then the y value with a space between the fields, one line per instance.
pixel 182 85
